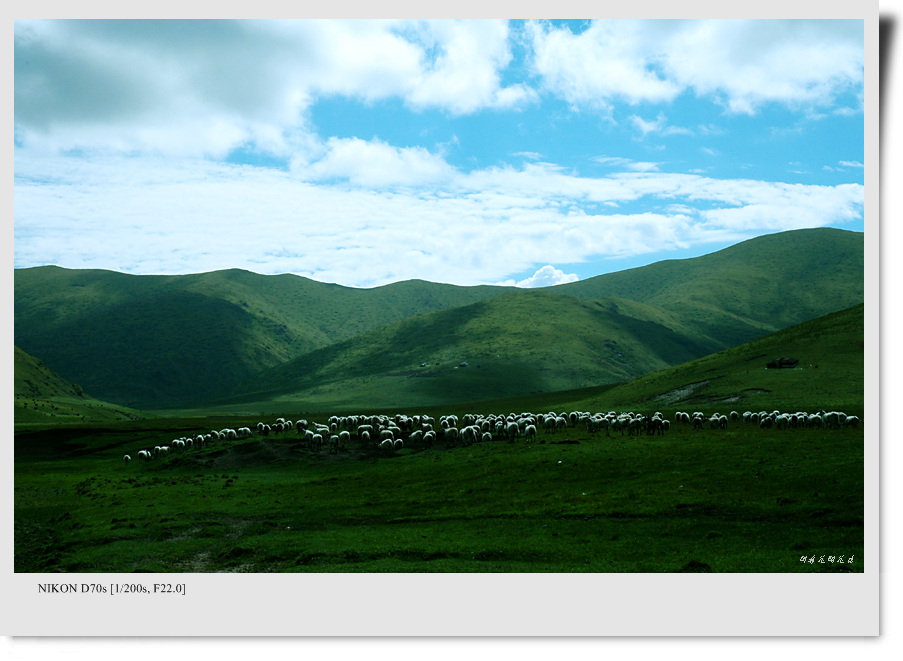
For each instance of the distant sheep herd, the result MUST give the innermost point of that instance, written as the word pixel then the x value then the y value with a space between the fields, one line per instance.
pixel 390 433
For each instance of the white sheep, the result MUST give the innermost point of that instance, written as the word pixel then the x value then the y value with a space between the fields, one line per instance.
pixel 512 431
pixel 451 435
pixel 126 459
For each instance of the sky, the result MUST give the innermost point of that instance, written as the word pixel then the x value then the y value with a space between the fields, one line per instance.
pixel 362 152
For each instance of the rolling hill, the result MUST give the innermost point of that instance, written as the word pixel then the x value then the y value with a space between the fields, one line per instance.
pixel 829 374
pixel 165 340
pixel 178 341
pixel 515 343
pixel 43 396
pixel 748 289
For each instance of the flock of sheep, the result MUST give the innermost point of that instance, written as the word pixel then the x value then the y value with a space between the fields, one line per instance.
pixel 389 433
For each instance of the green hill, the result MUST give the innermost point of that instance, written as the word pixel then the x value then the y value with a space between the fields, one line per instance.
pixel 168 340
pixel 748 289
pixel 519 342
pixel 182 341
pixel 42 396
pixel 829 374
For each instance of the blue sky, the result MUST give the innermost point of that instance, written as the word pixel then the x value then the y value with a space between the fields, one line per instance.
pixel 364 152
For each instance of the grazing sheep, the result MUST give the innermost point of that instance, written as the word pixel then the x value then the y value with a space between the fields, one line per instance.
pixel 512 431
pixel 656 426
pixel 530 431
pixel 451 435
pixel 468 434
pixel 126 459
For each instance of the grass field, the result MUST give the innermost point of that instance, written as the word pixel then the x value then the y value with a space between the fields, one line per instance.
pixel 736 500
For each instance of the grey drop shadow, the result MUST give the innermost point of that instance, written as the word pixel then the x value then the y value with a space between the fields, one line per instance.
pixel 887 27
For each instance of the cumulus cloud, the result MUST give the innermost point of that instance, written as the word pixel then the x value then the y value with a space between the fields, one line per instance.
pixel 464 75
pixel 208 87
pixel 742 64
pixel 376 164
pixel 547 276
pixel 166 216
pixel 609 61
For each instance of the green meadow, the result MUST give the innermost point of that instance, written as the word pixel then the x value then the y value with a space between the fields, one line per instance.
pixel 165 357
pixel 736 500
pixel 741 499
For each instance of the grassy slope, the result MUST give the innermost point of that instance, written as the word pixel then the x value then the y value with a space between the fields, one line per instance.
pixel 830 374
pixel 738 500
pixel 749 289
pixel 42 397
pixel 516 343
pixel 158 340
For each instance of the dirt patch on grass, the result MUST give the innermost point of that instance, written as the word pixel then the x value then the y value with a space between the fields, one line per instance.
pixel 682 393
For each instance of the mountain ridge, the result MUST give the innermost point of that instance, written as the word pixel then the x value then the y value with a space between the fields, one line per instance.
pixel 163 341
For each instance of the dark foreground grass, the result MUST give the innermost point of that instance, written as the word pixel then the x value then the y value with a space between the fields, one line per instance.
pixel 739 500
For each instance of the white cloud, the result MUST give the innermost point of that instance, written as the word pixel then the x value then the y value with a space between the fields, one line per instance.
pixel 608 61
pixel 742 64
pixel 626 163
pixel 179 216
pixel 548 276
pixel 463 75
pixel 204 88
pixel 376 164
pixel 659 125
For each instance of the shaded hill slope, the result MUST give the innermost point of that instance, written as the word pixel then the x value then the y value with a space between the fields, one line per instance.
pixel 176 341
pixel 516 343
pixel 42 396
pixel 748 289
pixel 165 340
pixel 829 374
